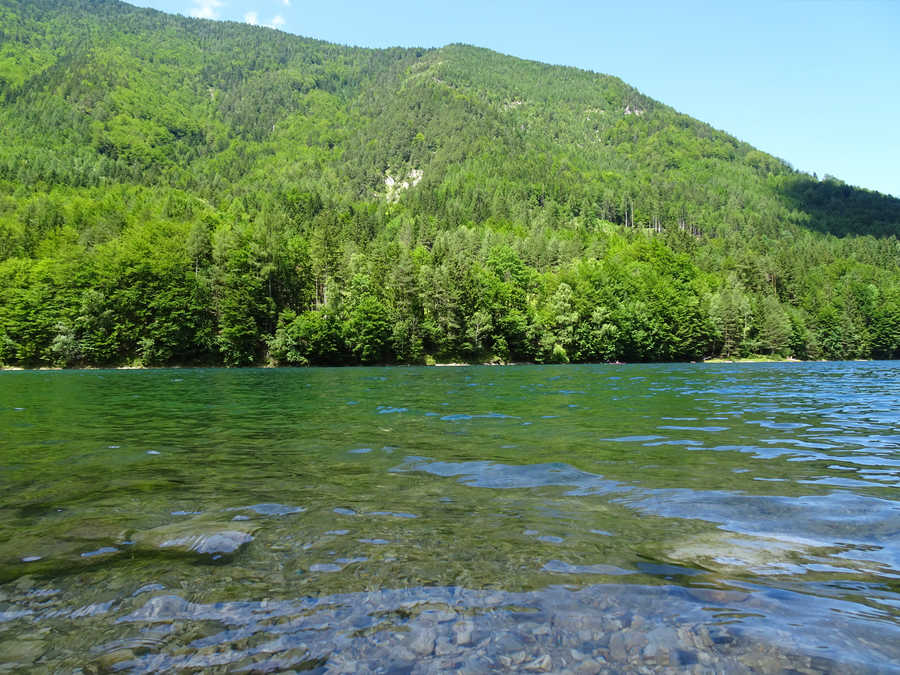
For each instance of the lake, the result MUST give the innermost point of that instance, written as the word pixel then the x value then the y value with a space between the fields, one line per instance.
pixel 596 518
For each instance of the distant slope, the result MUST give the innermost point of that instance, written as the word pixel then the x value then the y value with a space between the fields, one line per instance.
pixel 135 94
pixel 261 195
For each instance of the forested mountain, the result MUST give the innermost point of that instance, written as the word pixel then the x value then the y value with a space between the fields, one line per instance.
pixel 177 190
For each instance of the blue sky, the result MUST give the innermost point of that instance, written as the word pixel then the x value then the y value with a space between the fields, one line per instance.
pixel 815 83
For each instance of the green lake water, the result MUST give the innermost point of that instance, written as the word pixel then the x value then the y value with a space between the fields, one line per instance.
pixel 686 517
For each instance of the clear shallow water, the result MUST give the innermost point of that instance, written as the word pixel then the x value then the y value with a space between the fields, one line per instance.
pixel 736 517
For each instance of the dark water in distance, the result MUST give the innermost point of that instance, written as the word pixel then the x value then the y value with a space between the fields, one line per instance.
pixel 689 517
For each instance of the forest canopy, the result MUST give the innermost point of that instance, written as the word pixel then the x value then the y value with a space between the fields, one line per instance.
pixel 183 191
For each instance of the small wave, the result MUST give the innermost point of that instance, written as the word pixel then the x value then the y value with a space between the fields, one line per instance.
pixel 269 509
pixel 487 416
pixel 393 514
pixel 105 550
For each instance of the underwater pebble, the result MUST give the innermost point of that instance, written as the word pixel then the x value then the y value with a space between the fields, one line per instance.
pixel 605 630
pixel 542 663
pixel 463 631
pixel 423 642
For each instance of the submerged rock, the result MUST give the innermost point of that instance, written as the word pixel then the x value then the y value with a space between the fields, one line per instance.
pixel 198 535
pixel 733 553
pixel 227 541
pixel 561 567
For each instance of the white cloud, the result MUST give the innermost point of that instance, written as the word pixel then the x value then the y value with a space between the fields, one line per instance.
pixel 208 9
pixel 205 9
pixel 252 18
pixel 286 3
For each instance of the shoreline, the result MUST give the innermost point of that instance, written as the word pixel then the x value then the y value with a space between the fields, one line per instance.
pixel 450 364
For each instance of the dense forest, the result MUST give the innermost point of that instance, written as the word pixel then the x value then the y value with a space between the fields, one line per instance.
pixel 184 191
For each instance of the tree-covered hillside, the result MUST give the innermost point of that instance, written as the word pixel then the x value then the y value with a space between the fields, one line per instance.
pixel 177 190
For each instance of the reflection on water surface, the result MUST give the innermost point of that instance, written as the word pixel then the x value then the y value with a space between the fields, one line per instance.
pixel 728 517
